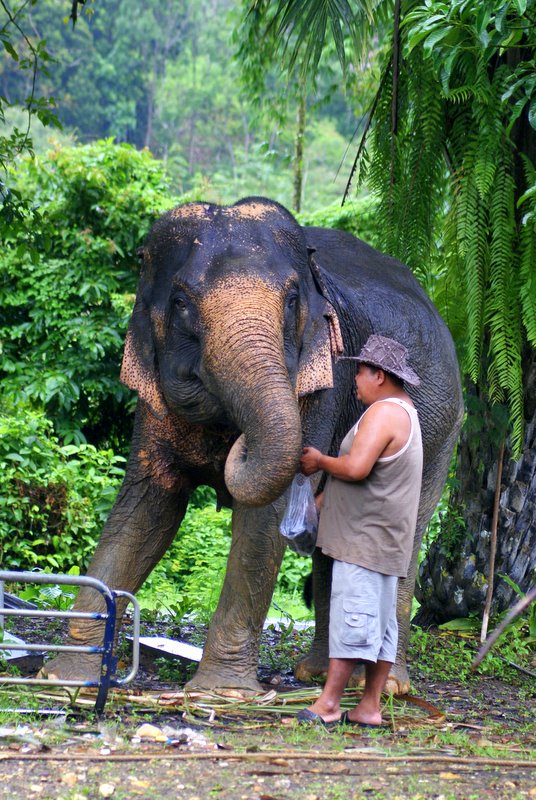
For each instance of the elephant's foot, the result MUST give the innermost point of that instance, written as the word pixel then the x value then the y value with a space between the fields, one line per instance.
pixel 72 667
pixel 316 666
pixel 398 681
pixel 225 681
pixel 357 678
pixel 313 665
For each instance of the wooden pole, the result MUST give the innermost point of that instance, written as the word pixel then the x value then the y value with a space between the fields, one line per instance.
pixel 493 545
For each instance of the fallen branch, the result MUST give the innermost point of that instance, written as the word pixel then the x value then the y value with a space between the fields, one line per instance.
pixel 518 666
pixel 219 755
pixel 514 612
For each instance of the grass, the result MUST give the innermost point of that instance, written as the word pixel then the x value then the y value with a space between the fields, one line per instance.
pixel 448 655
pixel 261 732
pixel 438 658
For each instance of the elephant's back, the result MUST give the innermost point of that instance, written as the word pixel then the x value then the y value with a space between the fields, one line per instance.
pixel 357 263
pixel 383 296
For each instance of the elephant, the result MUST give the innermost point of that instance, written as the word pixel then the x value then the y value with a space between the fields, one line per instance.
pixel 233 348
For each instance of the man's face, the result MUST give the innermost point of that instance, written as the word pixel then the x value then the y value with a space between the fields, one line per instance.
pixel 366 381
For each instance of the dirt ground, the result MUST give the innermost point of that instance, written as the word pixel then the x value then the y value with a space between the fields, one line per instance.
pixel 469 740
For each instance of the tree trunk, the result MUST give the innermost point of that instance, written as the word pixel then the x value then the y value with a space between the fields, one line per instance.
pixel 454 576
pixel 151 90
pixel 298 152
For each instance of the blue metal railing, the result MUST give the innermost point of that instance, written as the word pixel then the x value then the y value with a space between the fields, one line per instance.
pixel 106 679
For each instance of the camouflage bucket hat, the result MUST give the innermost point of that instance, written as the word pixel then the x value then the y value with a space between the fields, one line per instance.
pixel 389 355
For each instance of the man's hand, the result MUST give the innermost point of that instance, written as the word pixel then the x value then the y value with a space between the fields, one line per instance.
pixel 309 462
pixel 319 502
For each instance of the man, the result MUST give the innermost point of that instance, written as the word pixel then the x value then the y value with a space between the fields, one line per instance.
pixel 367 525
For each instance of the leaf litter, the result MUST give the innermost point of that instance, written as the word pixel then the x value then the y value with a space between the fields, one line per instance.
pixel 454 740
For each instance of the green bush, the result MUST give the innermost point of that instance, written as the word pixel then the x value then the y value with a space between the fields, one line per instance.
pixel 190 576
pixel 447 654
pixel 358 217
pixel 55 498
pixel 67 283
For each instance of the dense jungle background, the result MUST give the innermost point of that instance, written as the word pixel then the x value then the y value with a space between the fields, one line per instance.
pixel 142 105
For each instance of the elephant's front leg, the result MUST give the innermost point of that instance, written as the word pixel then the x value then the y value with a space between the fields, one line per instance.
pixel 230 655
pixel 139 530
pixel 141 526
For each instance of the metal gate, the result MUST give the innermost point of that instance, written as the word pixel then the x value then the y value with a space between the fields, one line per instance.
pixel 109 617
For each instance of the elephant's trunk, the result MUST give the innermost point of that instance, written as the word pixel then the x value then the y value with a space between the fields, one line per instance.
pixel 244 363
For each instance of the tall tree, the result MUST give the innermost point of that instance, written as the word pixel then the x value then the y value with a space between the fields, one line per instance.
pixel 451 154
pixel 27 57
pixel 292 96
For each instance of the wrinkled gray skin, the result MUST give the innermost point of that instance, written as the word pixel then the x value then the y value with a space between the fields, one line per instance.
pixel 231 347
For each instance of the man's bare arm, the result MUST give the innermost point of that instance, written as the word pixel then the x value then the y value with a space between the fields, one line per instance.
pixel 377 429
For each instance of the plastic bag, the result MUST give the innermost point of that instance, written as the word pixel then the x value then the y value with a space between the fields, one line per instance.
pixel 300 522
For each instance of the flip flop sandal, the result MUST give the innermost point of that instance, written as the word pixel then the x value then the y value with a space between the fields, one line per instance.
pixel 308 717
pixel 345 720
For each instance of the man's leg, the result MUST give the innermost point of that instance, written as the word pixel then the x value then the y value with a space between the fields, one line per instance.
pixel 328 704
pixel 368 708
pixel 354 637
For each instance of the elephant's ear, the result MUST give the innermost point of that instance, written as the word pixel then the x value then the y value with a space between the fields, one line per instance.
pixel 322 339
pixel 138 370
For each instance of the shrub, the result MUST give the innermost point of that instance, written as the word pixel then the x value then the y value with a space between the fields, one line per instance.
pixel 67 283
pixel 358 217
pixel 55 498
pixel 190 576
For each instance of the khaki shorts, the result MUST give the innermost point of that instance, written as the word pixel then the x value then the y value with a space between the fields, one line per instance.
pixel 362 622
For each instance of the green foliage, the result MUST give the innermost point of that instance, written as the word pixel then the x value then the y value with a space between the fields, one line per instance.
pixel 173 671
pixel 198 558
pixel 28 56
pixel 55 498
pixel 450 159
pixel 302 31
pixel 448 656
pixel 119 71
pixel 474 106
pixel 446 525
pixel 294 570
pixel 67 284
pixel 359 217
pixel 59 597
pixel 530 619
pixel 301 101
pixel 283 644
pixel 190 576
pixel 408 174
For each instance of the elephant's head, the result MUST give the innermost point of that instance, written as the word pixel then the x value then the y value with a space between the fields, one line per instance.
pixel 230 327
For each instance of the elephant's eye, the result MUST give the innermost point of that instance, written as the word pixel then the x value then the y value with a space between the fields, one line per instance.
pixel 292 300
pixel 181 305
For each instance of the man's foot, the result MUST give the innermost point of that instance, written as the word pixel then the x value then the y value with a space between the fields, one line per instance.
pixel 308 717
pixel 345 720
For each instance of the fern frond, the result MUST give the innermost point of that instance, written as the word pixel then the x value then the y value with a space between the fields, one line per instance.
pixel 527 255
pixel 461 98
pixel 472 242
pixel 505 376
pixel 461 94
pixel 527 280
